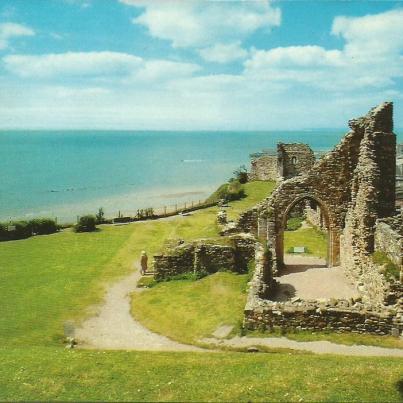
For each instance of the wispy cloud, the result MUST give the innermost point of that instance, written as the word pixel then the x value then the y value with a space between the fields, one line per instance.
pixel 10 30
pixel 116 66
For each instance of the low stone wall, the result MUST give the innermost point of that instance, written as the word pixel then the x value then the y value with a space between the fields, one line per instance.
pixel 205 257
pixel 335 315
pixel 352 315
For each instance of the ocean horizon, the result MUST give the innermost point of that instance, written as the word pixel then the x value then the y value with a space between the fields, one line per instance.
pixel 68 173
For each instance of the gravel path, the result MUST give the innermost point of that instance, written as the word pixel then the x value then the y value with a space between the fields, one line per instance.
pixel 317 347
pixel 115 328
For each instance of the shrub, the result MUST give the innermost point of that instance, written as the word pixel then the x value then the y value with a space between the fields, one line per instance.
pixel 228 192
pixel 43 226
pixel 392 271
pixel 22 230
pixel 241 174
pixel 86 223
pixel 294 223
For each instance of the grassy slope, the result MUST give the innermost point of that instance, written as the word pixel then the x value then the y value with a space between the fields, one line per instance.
pixel 54 374
pixel 255 192
pixel 314 240
pixel 47 279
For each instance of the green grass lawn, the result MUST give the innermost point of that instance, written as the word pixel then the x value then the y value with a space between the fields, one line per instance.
pixel 56 374
pixel 187 310
pixel 311 238
pixel 46 280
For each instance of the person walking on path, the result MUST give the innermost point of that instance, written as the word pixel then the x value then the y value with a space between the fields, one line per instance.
pixel 143 262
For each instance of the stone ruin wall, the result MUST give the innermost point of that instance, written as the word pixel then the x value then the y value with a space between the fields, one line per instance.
pixel 354 185
pixel 314 216
pixel 264 168
pixel 205 257
pixel 372 197
pixel 303 154
pixel 274 167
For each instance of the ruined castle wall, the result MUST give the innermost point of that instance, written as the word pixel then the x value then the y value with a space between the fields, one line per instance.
pixel 295 159
pixel 264 168
pixel 373 196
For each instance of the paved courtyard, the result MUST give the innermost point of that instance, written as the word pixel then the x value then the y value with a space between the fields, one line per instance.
pixel 309 278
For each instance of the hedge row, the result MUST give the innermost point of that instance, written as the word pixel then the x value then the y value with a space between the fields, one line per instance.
pixel 25 229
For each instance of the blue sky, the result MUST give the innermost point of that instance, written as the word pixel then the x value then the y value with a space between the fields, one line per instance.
pixel 190 65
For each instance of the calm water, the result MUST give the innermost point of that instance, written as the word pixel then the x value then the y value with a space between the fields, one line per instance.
pixel 64 174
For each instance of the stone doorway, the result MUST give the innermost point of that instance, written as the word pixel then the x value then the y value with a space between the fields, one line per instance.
pixel 315 212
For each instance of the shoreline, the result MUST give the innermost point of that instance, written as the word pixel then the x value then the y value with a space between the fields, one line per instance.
pixel 162 202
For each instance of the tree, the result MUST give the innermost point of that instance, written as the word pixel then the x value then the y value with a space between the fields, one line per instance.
pixel 100 216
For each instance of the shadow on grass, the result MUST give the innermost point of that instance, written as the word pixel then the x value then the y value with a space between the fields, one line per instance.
pixel 399 387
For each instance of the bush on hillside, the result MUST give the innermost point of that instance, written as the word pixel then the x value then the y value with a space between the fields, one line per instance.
pixel 241 174
pixel 24 229
pixel 86 223
pixel 228 192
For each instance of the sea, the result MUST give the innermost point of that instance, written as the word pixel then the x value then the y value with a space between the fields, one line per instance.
pixel 65 174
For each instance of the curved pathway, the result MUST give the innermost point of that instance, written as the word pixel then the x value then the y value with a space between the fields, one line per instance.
pixel 115 328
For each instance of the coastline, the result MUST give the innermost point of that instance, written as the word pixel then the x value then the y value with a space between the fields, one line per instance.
pixel 126 204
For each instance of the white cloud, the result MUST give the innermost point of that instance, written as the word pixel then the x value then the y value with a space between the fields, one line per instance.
pixel 165 70
pixel 223 53
pixel 10 30
pixel 371 57
pixel 198 23
pixel 372 35
pixel 72 64
pixel 120 67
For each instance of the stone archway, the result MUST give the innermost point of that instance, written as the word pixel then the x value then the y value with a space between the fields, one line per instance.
pixel 333 242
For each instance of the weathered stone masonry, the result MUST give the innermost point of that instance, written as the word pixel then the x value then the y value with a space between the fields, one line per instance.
pixel 287 161
pixel 205 257
pixel 354 185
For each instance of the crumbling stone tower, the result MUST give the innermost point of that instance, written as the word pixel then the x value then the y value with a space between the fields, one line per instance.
pixel 373 187
pixel 289 160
